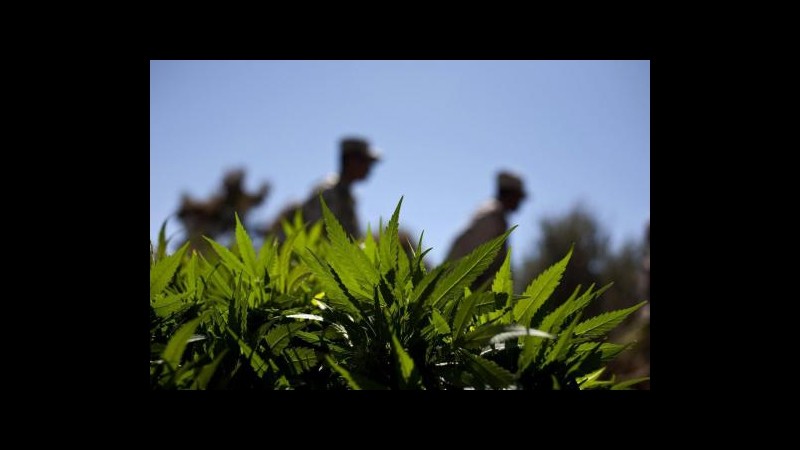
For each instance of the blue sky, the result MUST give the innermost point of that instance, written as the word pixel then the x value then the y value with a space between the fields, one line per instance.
pixel 577 131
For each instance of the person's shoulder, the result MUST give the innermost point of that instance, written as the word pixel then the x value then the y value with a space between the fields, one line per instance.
pixel 489 208
pixel 328 183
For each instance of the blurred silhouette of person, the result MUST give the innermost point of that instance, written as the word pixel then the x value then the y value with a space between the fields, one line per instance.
pixel 215 216
pixel 489 222
pixel 356 160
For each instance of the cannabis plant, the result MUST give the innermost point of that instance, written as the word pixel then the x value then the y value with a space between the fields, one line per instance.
pixel 327 311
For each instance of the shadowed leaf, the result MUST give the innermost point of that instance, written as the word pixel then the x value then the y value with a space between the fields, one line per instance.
pixel 539 291
pixel 162 271
pixel 598 326
pixel 177 343
pixel 466 270
pixel 246 249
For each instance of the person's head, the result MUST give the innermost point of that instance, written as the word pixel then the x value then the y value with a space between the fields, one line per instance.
pixel 510 190
pixel 233 180
pixel 357 158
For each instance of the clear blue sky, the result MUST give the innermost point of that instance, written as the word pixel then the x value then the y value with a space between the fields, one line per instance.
pixel 575 130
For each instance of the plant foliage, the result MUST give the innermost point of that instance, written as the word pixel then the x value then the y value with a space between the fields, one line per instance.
pixel 323 311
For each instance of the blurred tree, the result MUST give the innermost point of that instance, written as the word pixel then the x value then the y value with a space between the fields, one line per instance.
pixel 580 227
pixel 593 262
pixel 623 268
pixel 635 362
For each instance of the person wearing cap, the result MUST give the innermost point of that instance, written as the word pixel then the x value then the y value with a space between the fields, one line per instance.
pixel 357 158
pixel 489 222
